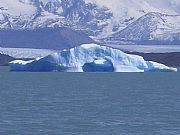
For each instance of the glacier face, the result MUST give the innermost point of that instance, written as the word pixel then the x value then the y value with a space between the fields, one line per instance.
pixel 89 58
pixel 26 53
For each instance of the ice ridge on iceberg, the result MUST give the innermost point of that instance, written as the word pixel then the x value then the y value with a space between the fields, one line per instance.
pixel 89 58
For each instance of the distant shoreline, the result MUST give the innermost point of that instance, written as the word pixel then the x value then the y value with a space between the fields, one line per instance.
pixel 171 59
pixel 147 48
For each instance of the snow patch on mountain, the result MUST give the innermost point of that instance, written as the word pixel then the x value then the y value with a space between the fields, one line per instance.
pixel 17 8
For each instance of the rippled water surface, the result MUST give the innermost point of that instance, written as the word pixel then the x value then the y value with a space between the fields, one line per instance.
pixel 89 103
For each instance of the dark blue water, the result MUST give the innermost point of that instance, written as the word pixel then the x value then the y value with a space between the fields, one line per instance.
pixel 89 103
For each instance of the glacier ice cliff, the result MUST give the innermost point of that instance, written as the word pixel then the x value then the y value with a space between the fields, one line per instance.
pixel 89 58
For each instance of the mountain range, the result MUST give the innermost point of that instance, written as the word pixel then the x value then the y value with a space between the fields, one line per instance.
pixel 107 21
pixel 152 28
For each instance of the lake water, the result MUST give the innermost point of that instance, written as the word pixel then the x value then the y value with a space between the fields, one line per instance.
pixel 89 103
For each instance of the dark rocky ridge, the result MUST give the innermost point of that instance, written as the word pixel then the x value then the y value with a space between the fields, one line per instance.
pixel 5 59
pixel 43 38
pixel 169 59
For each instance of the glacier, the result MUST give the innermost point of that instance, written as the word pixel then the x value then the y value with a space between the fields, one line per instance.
pixel 25 53
pixel 89 58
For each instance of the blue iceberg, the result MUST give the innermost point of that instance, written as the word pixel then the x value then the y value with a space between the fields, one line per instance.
pixel 90 58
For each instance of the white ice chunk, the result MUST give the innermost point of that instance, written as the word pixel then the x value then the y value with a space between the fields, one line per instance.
pixel 90 58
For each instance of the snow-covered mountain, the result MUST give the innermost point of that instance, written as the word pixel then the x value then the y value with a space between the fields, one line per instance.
pixel 152 28
pixel 90 58
pixel 27 14
pixel 83 16
pixel 127 11
pixel 30 14
pixel 97 18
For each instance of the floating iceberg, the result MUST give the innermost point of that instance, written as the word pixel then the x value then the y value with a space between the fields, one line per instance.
pixel 90 58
